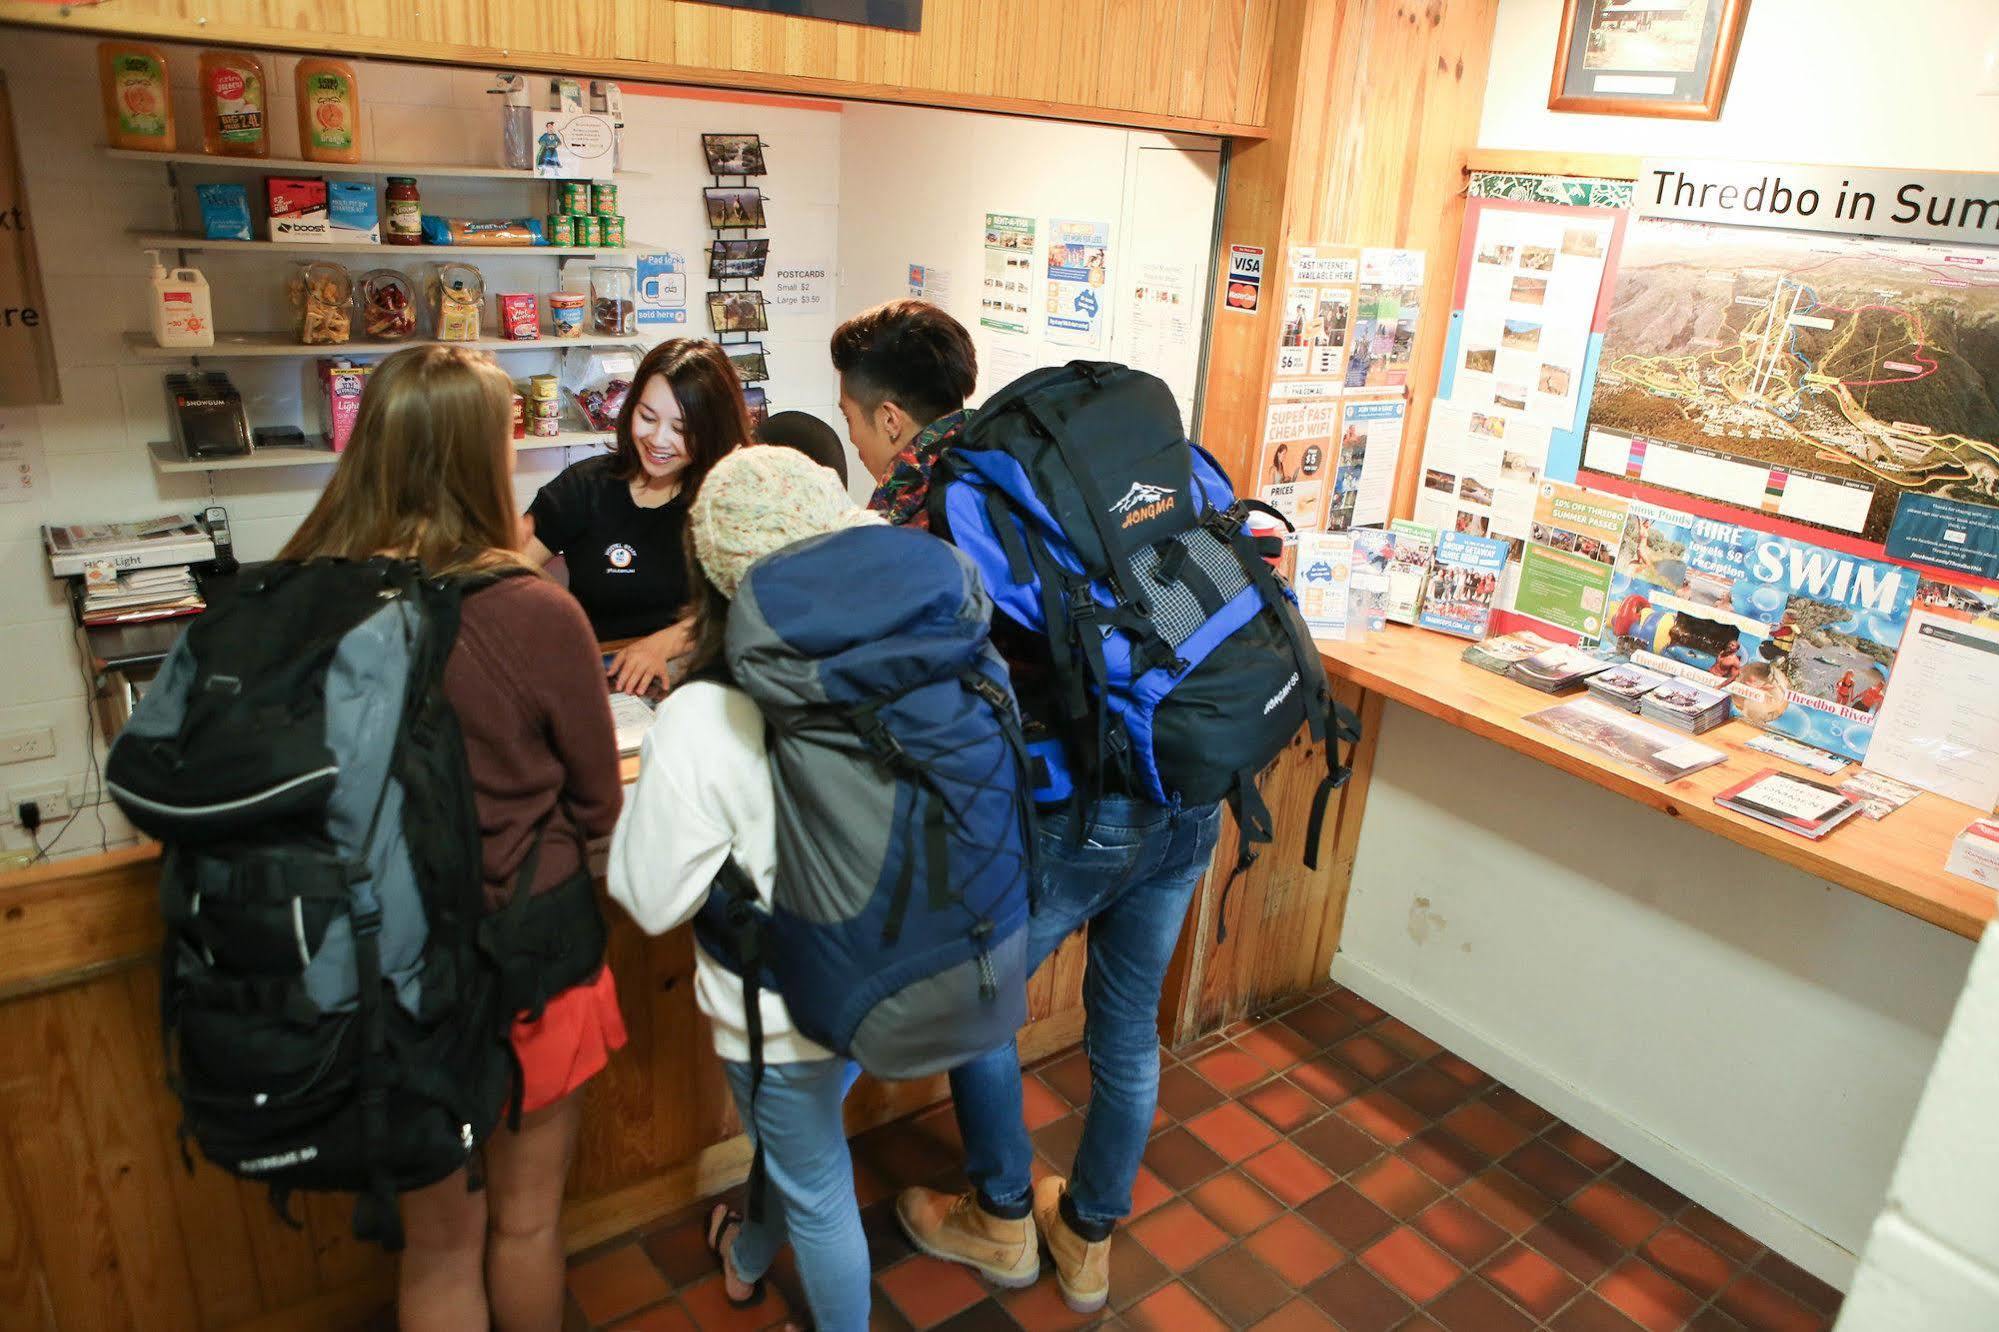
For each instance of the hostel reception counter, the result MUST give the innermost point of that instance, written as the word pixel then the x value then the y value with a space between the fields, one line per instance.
pixel 103 1226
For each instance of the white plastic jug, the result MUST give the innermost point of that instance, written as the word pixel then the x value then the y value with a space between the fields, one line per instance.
pixel 179 307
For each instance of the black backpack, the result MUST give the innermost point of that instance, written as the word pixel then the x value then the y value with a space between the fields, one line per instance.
pixel 1179 662
pixel 335 999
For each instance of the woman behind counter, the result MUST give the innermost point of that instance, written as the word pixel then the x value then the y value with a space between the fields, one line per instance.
pixel 617 519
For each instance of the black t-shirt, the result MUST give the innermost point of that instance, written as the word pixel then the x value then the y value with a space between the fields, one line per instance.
pixel 626 564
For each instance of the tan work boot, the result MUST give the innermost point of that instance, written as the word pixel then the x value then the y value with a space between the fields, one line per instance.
pixel 956 1229
pixel 1082 1267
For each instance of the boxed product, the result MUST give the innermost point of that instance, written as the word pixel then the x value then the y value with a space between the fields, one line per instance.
pixel 205 414
pixel 1975 853
pixel 340 384
pixel 520 316
pixel 297 207
pixel 225 212
pixel 351 214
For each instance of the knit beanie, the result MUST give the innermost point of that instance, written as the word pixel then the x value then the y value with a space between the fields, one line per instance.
pixel 760 499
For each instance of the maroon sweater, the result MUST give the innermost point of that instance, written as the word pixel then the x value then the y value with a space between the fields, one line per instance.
pixel 527 682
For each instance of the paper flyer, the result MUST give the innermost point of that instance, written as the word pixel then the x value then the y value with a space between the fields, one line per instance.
pixel 1370 444
pixel 1156 329
pixel 1078 273
pixel 1565 568
pixel 1387 306
pixel 1297 457
pixel 662 290
pixel 1939 726
pixel 1325 572
pixel 20 456
pixel 928 282
pixel 1464 576
pixel 1316 323
pixel 1004 301
pixel 1529 306
pixel 1481 473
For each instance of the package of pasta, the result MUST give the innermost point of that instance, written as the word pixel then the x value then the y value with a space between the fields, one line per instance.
pixel 514 232
pixel 321 294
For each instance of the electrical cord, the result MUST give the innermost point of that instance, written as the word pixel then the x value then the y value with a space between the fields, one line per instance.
pixel 92 794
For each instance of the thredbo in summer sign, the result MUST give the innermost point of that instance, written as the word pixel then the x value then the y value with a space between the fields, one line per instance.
pixel 903 15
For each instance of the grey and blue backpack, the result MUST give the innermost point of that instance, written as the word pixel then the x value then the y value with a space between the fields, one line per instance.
pixel 1179 666
pixel 335 997
pixel 904 829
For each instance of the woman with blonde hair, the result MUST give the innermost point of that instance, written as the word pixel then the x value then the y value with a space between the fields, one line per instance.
pixel 427 475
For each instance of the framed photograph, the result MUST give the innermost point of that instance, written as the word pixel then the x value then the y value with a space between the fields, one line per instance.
pixel 737 312
pixel 733 154
pixel 1665 58
pixel 734 206
pixel 738 258
pixel 759 404
pixel 751 367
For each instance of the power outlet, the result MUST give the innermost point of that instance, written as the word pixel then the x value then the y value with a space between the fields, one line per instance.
pixel 52 798
pixel 27 746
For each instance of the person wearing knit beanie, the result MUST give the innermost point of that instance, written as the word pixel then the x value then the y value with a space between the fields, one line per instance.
pixel 759 500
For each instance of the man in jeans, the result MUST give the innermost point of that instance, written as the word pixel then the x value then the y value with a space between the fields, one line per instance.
pixel 906 369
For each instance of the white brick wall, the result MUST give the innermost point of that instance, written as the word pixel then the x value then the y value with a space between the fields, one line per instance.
pixel 84 204
pixel 1932 1261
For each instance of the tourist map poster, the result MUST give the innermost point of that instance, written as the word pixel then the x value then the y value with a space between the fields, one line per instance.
pixel 1802 635
pixel 1821 380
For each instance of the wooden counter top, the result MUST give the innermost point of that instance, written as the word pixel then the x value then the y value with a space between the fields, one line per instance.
pixel 1897 861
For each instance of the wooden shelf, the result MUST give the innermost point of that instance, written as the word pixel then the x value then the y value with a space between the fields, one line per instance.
pixel 1897 861
pixel 169 240
pixel 167 460
pixel 300 165
pixel 286 346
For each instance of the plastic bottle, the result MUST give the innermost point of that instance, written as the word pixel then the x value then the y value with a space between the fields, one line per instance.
pixel 179 307
pixel 138 101
pixel 516 121
pixel 235 107
pixel 329 111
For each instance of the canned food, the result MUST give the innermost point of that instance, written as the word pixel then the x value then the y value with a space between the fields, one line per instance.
pixel 565 313
pixel 603 199
pixel 545 427
pixel 561 229
pixel 588 232
pixel 573 196
pixel 542 388
pixel 611 230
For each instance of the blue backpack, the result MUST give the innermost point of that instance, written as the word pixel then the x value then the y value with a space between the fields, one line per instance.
pixel 1179 663
pixel 904 825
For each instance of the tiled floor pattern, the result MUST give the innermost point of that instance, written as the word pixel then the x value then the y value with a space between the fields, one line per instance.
pixel 1323 1166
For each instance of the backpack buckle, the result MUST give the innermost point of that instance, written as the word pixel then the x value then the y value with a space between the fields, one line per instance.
pixel 881 742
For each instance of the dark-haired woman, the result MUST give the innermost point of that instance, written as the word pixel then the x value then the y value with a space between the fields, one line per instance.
pixel 617 519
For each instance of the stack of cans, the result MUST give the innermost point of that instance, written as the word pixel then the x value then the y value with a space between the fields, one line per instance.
pixel 587 216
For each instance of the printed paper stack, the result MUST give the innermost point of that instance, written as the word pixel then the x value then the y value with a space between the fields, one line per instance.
pixel 1809 809
pixel 1499 653
pixel 1557 670
pixel 141 594
pixel 1685 706
pixel 1623 686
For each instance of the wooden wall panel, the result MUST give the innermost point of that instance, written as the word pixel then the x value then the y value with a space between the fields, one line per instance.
pixel 1172 64
pixel 1371 106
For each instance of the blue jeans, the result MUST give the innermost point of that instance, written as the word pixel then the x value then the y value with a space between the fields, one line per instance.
pixel 1129 881
pixel 809 1198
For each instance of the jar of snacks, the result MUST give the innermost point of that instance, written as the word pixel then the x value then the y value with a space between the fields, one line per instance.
pixel 565 313
pixel 614 300
pixel 387 302
pixel 458 299
pixel 322 293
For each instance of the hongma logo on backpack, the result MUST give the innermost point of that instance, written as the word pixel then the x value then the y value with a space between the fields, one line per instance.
pixel 904 827
pixel 333 995
pixel 1180 663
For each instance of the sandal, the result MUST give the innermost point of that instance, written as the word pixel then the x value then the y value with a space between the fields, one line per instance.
pixel 719 1222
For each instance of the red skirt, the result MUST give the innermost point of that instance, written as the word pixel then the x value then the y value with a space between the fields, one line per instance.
pixel 571 1042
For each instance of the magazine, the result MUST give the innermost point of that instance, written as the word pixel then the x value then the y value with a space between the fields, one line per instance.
pixel 1653 750
pixel 1809 809
pixel 1624 684
pixel 1464 576
pixel 1394 560
pixel 175 538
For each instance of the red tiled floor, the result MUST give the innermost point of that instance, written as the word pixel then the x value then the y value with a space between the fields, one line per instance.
pixel 1231 1132
pixel 1288 1173
pixel 1296 1251
pixel 1534 1283
pixel 1411 1264
pixel 1179 1236
pixel 1370 1184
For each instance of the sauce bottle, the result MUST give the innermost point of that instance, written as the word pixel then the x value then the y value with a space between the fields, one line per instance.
pixel 235 119
pixel 138 103
pixel 405 223
pixel 329 111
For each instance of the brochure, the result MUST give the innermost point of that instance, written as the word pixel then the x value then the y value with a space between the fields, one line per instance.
pixel 1685 706
pixel 1565 565
pixel 1556 669
pixel 1499 653
pixel 1653 750
pixel 1624 684
pixel 1804 756
pixel 1975 853
pixel 1464 576
pixel 1399 557
pixel 631 718
pixel 1879 796
pixel 1809 809
pixel 1325 575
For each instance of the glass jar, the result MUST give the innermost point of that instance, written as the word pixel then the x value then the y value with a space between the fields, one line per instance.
pixel 405 212
pixel 458 299
pixel 387 302
pixel 614 300
pixel 322 294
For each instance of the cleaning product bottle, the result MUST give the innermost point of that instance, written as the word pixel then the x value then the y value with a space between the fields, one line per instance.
pixel 329 111
pixel 179 307
pixel 138 104
pixel 235 120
